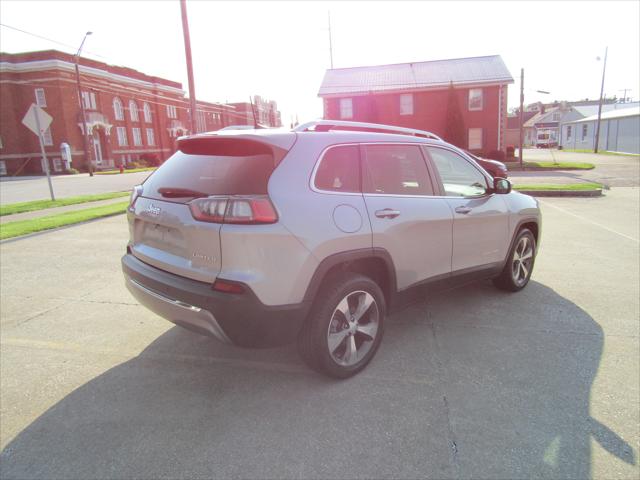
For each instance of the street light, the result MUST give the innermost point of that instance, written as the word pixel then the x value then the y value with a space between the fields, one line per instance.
pixel 87 155
pixel 522 115
pixel 604 68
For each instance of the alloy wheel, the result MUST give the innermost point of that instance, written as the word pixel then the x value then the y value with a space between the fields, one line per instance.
pixel 522 261
pixel 353 328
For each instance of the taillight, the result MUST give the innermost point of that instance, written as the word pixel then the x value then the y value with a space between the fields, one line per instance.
pixel 237 210
pixel 225 286
pixel 135 193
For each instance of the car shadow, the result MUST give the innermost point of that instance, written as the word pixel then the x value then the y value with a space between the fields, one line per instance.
pixel 515 373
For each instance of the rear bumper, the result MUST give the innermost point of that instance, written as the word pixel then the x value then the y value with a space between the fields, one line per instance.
pixel 238 319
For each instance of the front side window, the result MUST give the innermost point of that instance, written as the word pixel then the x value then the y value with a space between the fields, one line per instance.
pixel 171 111
pixel 475 138
pixel 57 164
pixel 122 136
pixel 133 111
pixel 346 108
pixel 137 137
pixel 48 138
pixel 569 132
pixel 459 177
pixel 146 109
pixel 395 170
pixel 41 100
pixel 475 99
pixel 584 131
pixel 339 170
pixel 118 111
pixel 150 137
pixel 3 167
pixel 406 104
pixel 89 100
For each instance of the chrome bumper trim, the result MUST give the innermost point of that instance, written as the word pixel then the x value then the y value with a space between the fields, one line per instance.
pixel 176 311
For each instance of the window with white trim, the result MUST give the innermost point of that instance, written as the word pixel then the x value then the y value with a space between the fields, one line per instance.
pixel 89 100
pixel 57 164
pixel 406 104
pixel 171 111
pixel 475 99
pixel 585 128
pixel 118 111
pixel 146 109
pixel 47 137
pixel 137 137
pixel 346 108
pixel 133 111
pixel 151 138
pixel 555 117
pixel 122 136
pixel 475 138
pixel 3 167
pixel 569 127
pixel 41 100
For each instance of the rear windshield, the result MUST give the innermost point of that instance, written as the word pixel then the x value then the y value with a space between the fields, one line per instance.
pixel 212 175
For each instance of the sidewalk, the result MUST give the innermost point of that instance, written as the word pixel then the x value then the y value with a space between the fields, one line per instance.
pixel 56 210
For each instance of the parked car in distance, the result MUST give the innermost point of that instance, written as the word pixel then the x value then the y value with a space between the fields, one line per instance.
pixel 262 237
pixel 494 167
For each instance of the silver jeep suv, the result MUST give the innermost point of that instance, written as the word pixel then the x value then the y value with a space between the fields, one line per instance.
pixel 260 237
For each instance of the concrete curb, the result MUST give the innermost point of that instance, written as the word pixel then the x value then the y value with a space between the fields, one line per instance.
pixel 563 193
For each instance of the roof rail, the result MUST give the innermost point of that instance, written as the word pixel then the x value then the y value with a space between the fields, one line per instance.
pixel 327 125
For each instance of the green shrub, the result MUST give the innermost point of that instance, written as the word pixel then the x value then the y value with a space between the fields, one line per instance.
pixel 72 171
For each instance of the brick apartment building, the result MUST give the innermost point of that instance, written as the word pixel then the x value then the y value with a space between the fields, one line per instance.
pixel 415 95
pixel 130 116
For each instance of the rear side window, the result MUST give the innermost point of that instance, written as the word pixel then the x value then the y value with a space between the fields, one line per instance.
pixel 224 171
pixel 396 170
pixel 339 170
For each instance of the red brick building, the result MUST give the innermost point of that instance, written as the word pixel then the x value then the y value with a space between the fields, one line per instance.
pixel 415 95
pixel 130 116
pixel 266 112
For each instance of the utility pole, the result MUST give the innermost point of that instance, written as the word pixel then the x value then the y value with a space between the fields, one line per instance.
pixel 521 115
pixel 187 51
pixel 625 90
pixel 85 133
pixel 330 44
pixel 604 68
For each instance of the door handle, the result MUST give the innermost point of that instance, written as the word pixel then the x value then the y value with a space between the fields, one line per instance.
pixel 463 210
pixel 387 213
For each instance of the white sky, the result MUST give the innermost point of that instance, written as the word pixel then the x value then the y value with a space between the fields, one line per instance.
pixel 280 50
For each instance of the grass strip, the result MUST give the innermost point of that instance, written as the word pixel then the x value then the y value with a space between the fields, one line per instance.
pixel 133 170
pixel 552 165
pixel 12 208
pixel 558 186
pixel 561 165
pixel 601 152
pixel 23 227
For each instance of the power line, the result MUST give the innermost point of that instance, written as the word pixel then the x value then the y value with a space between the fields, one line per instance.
pixel 48 39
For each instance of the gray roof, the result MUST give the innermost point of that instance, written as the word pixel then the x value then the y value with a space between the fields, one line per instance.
pixel 589 110
pixel 618 113
pixel 418 75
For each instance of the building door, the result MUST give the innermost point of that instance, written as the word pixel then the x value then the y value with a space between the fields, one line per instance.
pixel 97 149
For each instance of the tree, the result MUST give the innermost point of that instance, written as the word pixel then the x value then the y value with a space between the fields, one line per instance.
pixel 454 128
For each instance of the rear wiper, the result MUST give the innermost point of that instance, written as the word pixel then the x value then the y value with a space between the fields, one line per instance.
pixel 174 192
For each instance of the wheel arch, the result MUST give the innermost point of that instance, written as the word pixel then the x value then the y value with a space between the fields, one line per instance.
pixel 375 263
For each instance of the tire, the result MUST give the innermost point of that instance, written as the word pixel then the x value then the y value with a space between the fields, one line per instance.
pixel 517 271
pixel 337 344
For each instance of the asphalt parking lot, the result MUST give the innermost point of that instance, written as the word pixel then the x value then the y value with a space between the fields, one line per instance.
pixel 473 383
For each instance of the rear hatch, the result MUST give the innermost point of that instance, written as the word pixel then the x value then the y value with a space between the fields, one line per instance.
pixel 176 218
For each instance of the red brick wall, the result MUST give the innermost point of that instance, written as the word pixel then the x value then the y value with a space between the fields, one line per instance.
pixel 429 112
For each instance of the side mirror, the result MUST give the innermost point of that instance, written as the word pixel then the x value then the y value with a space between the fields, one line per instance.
pixel 501 185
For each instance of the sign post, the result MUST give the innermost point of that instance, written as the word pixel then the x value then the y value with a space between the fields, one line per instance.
pixel 37 120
